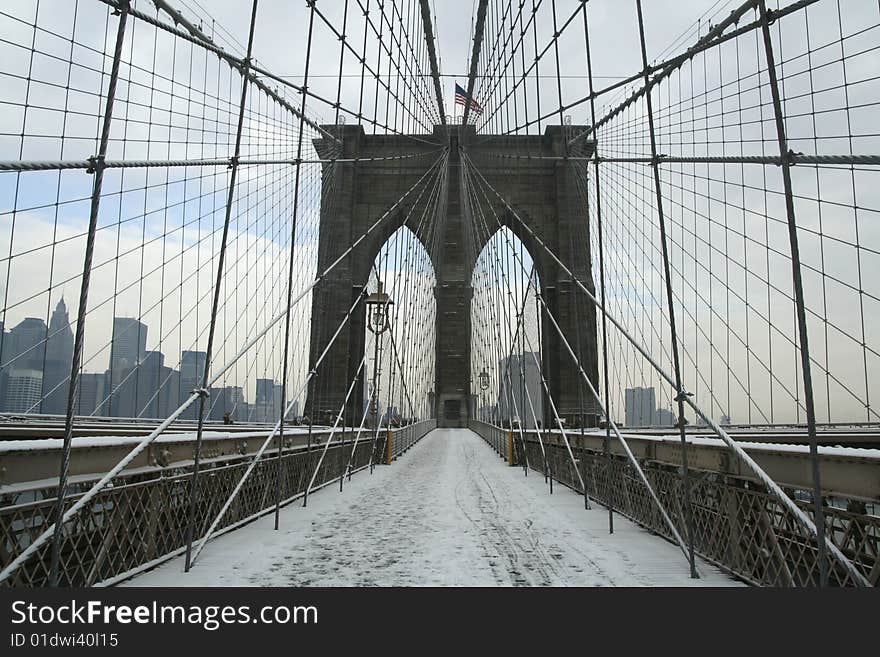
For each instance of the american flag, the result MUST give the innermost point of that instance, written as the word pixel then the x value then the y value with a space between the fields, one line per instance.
pixel 462 98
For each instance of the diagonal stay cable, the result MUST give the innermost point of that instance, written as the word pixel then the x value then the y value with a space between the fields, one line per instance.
pixel 765 479
pixel 630 455
pixel 12 566
pixel 203 391
pixel 529 287
pixel 339 416
pixel 54 568
pixel 498 272
pixel 258 455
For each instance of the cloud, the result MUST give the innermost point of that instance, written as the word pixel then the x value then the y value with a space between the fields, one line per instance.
pixel 158 243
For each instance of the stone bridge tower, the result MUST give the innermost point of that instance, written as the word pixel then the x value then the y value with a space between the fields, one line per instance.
pixel 545 194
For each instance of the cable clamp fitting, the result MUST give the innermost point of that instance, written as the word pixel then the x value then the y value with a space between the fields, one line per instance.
pixel 683 395
pixel 202 392
pixel 95 162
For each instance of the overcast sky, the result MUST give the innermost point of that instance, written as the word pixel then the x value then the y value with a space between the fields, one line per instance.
pixel 281 35
pixel 729 243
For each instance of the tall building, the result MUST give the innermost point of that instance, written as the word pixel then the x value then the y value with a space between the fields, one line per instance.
pixel 268 403
pixel 27 339
pixel 229 399
pixel 265 407
pixel 23 351
pixel 23 390
pixel 169 392
pixel 639 404
pixel 663 417
pixel 59 356
pixel 192 369
pixel 129 342
pixel 126 351
pixel 522 386
pixel 91 393
pixel 149 383
pixel 122 393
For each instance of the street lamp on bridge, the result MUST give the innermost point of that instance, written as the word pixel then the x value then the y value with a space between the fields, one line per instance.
pixel 484 385
pixel 378 321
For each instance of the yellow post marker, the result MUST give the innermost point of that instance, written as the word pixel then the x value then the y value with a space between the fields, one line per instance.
pixel 510 447
pixel 388 448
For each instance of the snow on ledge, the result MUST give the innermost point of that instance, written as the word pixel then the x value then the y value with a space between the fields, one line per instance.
pixel 85 442
pixel 840 452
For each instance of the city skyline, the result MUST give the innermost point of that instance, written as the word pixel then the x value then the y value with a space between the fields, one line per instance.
pixel 136 382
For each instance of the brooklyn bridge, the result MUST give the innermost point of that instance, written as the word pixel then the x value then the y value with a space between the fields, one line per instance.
pixel 372 292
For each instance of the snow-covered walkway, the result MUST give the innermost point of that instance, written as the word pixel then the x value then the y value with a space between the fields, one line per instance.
pixel 449 512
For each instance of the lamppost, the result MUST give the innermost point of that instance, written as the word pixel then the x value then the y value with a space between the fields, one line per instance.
pixel 378 322
pixel 484 385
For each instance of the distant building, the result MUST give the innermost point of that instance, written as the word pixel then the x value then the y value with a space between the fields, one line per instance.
pixel 129 342
pixel 267 402
pixel 28 339
pixel 229 399
pixel 90 393
pixel 192 369
pixel 521 393
pixel 149 383
pixel 23 390
pixel 169 393
pixel 24 348
pixel 59 356
pixel 122 393
pixel 390 416
pixel 35 362
pixel 127 349
pixel 640 406
pixel 665 418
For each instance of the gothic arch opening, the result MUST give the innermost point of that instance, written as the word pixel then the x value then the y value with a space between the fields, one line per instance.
pixel 399 333
pixel 506 351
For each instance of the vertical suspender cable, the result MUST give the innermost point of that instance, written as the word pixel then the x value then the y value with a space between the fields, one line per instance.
pixel 797 282
pixel 98 167
pixel 475 56
pixel 680 393
pixel 285 366
pixel 606 443
pixel 203 393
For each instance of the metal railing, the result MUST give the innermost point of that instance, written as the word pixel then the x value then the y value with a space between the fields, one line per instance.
pixel 400 440
pixel 738 525
pixel 140 521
